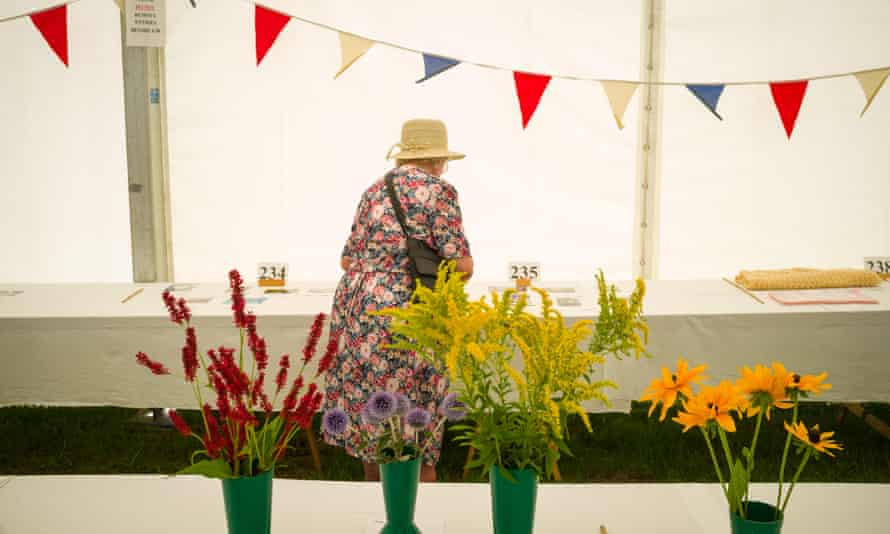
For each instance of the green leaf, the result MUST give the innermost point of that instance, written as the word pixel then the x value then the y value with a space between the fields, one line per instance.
pixel 217 468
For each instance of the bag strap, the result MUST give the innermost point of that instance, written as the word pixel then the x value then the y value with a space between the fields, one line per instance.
pixel 400 216
pixel 396 205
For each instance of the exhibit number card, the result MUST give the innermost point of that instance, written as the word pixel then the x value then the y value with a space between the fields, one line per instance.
pixel 271 274
pixel 878 264
pixel 523 269
pixel 146 23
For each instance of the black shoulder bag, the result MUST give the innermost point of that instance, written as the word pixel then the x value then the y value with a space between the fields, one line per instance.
pixel 424 261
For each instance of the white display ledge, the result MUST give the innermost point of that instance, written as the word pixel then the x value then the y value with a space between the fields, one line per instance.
pixel 151 504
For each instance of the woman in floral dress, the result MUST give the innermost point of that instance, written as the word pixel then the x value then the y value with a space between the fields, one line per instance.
pixel 377 276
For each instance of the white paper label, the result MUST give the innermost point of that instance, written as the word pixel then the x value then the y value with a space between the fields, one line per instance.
pixel 146 23
pixel 272 272
pixel 523 269
pixel 878 264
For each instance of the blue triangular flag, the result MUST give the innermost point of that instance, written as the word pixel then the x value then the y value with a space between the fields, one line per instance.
pixel 709 95
pixel 433 65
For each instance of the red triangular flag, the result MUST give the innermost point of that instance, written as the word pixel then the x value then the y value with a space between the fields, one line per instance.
pixel 267 24
pixel 53 25
pixel 529 88
pixel 788 97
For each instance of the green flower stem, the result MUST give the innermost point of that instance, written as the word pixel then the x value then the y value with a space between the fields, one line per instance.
pixel 725 444
pixel 785 453
pixel 241 349
pixel 803 464
pixel 750 461
pixel 716 464
pixel 427 444
pixel 729 461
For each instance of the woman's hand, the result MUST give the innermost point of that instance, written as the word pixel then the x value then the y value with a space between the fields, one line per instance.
pixel 345 263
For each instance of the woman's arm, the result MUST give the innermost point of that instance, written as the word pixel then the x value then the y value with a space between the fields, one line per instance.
pixel 464 266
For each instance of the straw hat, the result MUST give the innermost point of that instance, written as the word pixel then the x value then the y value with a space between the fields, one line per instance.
pixel 422 139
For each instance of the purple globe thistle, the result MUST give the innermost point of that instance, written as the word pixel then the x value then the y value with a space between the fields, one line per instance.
pixel 403 404
pixel 418 418
pixel 453 409
pixel 382 405
pixel 335 421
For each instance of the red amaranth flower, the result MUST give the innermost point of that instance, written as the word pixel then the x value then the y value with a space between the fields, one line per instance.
pixel 330 352
pixel 222 395
pixel 281 377
pixel 179 423
pixel 155 367
pixel 170 303
pixel 237 381
pixel 309 404
pixel 267 406
pixel 257 388
pixel 260 354
pixel 213 441
pixel 183 311
pixel 236 283
pixel 244 416
pixel 314 335
pixel 190 354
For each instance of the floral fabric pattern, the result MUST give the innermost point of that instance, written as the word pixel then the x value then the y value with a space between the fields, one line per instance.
pixel 378 278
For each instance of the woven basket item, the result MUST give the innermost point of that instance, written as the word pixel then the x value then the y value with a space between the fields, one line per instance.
pixel 799 278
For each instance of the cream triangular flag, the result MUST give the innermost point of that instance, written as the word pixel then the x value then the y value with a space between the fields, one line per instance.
pixel 120 4
pixel 871 82
pixel 352 47
pixel 619 95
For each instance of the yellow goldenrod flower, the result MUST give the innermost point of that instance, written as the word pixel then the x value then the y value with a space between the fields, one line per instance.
pixel 665 390
pixel 476 352
pixel 764 388
pixel 711 404
pixel 517 378
pixel 812 437
pixel 451 361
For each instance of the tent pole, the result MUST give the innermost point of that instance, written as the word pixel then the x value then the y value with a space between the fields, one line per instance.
pixel 147 161
pixel 648 184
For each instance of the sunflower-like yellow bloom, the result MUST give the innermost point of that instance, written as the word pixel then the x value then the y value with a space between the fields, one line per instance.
pixel 764 388
pixel 666 389
pixel 711 404
pixel 812 437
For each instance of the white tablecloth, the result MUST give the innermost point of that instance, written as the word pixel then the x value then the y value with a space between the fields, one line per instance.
pixel 151 504
pixel 75 344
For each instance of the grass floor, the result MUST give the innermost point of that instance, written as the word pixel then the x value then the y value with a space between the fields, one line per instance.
pixel 622 448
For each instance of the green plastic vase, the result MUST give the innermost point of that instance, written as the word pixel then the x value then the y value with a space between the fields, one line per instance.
pixel 760 519
pixel 249 503
pixel 513 503
pixel 400 481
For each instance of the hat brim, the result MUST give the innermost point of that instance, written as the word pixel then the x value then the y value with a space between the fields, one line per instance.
pixel 429 154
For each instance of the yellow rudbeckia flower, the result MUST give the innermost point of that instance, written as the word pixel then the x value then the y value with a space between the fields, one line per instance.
pixel 764 388
pixel 711 404
pixel 811 384
pixel 665 390
pixel 814 438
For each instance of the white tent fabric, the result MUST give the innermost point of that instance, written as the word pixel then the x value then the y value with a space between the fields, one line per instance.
pixel 737 194
pixel 65 214
pixel 267 163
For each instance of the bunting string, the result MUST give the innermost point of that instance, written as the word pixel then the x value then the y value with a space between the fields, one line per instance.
pixel 787 94
pixel 455 60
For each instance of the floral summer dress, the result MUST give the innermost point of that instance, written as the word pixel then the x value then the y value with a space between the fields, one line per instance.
pixel 378 278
